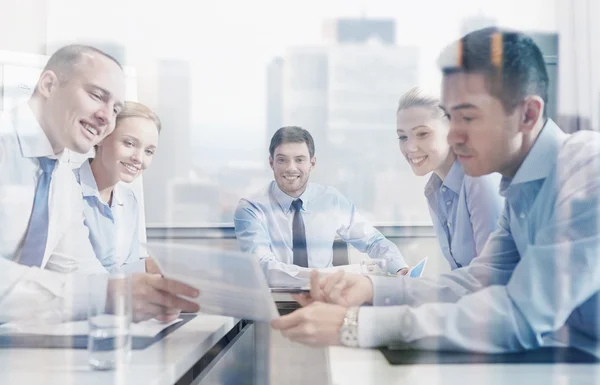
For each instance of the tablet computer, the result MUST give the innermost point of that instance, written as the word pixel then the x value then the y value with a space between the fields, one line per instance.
pixel 417 270
pixel 231 283
pixel 290 290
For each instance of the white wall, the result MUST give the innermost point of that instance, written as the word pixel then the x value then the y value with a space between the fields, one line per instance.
pixel 23 25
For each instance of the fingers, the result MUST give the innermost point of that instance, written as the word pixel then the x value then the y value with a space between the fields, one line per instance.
pixel 305 333
pixel 402 271
pixel 288 321
pixel 154 296
pixel 173 287
pixel 166 318
pixel 151 266
pixel 143 311
pixel 315 287
pixel 332 280
pixel 336 293
pixel 303 299
pixel 170 301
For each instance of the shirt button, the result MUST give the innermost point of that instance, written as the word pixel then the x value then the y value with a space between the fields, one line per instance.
pixel 448 203
pixel 522 215
pixel 444 189
pixel 387 301
pixel 449 224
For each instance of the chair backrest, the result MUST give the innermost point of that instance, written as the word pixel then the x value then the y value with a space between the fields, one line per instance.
pixel 340 253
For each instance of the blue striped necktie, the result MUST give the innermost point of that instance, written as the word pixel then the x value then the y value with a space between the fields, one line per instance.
pixel 34 245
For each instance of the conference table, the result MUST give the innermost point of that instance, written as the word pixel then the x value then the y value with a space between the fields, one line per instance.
pixel 211 349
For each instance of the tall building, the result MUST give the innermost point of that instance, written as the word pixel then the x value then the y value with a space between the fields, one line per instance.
pixel 548 43
pixel 173 158
pixel 345 93
pixel 364 83
pixel 274 97
pixel 305 90
pixel 355 31
pixel 475 22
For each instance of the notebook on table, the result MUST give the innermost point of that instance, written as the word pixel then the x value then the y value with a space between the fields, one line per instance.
pixel 73 335
pixel 545 355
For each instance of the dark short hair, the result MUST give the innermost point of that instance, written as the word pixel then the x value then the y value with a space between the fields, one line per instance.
pixel 63 61
pixel 292 134
pixel 510 61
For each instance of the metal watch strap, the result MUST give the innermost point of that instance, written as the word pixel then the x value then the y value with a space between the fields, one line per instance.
pixel 349 329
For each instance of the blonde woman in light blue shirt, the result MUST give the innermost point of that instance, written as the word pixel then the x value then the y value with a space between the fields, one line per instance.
pixel 464 210
pixel 110 206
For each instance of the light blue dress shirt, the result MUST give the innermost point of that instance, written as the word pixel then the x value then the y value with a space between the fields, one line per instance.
pixel 263 226
pixel 539 273
pixel 114 229
pixel 464 211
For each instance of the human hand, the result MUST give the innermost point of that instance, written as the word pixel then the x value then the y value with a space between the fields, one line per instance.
pixel 156 297
pixel 340 288
pixel 317 324
pixel 152 266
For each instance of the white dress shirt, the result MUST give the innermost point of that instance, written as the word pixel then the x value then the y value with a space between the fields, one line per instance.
pixel 27 289
pixel 31 294
pixel 263 226
pixel 68 248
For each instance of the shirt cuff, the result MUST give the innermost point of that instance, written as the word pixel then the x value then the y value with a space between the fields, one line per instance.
pixel 380 326
pixel 395 265
pixel 387 291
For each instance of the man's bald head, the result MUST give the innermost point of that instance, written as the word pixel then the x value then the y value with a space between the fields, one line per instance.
pixel 64 61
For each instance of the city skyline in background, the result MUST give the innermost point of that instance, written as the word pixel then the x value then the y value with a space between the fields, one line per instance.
pixel 344 90
pixel 224 77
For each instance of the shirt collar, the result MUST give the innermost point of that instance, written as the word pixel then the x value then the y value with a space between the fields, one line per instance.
pixel 285 201
pixel 541 159
pixel 455 177
pixel 90 188
pixel 32 139
pixel 453 180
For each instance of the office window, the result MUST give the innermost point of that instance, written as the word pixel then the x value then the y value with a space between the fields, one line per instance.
pixel 226 75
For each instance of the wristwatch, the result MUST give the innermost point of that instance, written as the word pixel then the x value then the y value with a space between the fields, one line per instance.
pixel 349 329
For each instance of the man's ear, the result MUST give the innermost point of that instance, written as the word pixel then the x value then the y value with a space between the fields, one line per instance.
pixel 271 162
pixel 313 161
pixel 47 83
pixel 533 111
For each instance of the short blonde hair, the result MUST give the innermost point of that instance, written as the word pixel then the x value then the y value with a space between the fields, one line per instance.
pixel 415 97
pixel 138 110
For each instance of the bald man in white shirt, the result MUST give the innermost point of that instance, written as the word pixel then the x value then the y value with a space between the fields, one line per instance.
pixel 74 106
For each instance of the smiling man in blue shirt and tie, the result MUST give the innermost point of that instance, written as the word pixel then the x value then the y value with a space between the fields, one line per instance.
pixel 291 225
pixel 539 273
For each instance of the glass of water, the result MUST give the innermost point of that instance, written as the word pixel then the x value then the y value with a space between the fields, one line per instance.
pixel 109 319
pixel 374 266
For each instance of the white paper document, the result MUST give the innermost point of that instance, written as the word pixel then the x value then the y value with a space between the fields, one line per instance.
pixel 231 283
pixel 149 328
